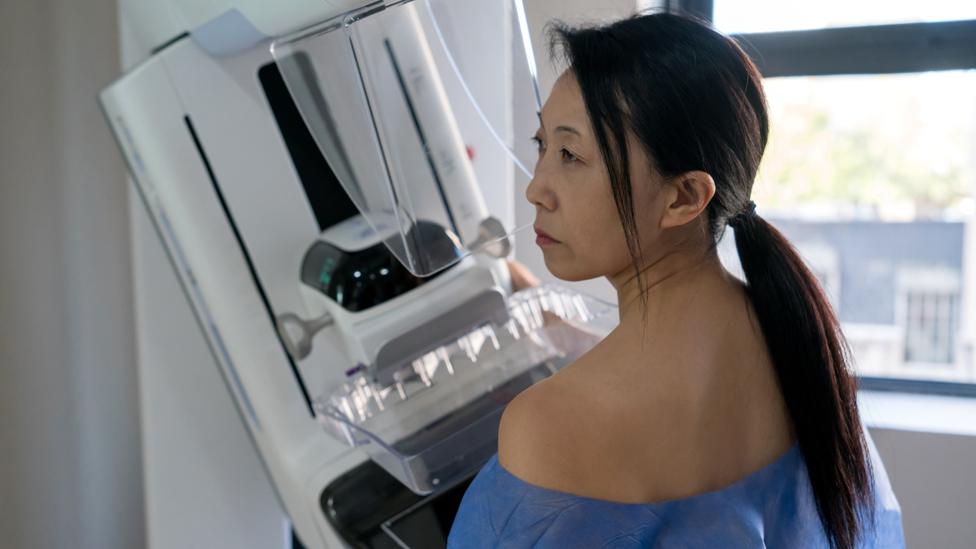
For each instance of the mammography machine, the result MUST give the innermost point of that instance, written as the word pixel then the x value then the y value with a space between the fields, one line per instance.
pixel 334 183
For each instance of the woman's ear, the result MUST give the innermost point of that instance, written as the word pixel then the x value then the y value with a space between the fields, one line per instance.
pixel 688 195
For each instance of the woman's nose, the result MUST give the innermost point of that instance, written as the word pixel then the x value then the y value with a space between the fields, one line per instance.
pixel 538 192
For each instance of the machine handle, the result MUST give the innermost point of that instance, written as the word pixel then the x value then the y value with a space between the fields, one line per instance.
pixel 297 333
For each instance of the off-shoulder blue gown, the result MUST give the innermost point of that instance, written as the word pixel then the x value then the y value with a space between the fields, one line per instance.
pixel 772 507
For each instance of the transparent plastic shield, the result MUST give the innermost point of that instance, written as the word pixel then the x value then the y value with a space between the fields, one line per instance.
pixel 436 422
pixel 418 107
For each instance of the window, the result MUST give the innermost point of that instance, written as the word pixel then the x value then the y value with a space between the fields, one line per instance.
pixel 930 327
pixel 929 322
pixel 871 170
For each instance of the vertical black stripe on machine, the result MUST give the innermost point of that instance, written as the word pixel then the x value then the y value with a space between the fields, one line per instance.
pixel 248 261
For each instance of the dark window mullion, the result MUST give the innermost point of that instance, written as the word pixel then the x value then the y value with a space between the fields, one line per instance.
pixel 875 49
pixel 899 385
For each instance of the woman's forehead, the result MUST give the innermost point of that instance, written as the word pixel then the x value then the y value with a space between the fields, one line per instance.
pixel 565 107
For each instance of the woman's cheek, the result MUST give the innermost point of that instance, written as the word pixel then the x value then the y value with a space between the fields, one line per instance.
pixel 603 244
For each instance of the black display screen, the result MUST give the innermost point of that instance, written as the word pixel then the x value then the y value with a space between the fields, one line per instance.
pixel 329 201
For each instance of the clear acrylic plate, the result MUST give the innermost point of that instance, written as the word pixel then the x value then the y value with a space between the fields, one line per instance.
pixel 437 422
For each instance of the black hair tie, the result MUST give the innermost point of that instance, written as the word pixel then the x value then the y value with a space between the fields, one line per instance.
pixel 746 212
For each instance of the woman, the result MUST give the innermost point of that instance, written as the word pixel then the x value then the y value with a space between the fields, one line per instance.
pixel 717 414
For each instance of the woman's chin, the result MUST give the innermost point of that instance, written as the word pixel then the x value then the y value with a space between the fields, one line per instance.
pixel 565 270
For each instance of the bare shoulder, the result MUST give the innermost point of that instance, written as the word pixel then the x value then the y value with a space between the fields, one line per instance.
pixel 633 429
pixel 538 433
pixel 557 433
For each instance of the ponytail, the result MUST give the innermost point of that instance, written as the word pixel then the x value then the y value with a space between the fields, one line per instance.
pixel 812 362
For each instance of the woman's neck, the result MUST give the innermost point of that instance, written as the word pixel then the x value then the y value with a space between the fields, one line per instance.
pixel 666 281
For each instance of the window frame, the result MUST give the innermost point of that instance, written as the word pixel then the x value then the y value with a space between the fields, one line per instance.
pixel 866 49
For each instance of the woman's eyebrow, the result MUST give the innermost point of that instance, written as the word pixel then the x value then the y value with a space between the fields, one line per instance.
pixel 568 129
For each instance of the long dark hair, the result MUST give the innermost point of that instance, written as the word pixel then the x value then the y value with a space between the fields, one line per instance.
pixel 695 102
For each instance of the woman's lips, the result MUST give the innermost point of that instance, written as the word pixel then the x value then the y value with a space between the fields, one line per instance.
pixel 543 239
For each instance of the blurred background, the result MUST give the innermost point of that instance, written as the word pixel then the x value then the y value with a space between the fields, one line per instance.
pixel 870 170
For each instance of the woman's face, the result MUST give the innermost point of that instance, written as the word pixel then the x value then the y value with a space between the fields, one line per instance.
pixel 572 195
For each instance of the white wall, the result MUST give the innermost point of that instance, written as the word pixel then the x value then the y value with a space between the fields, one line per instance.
pixel 69 453
pixel 934 477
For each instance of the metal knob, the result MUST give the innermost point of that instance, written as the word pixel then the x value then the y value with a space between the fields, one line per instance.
pixel 297 333
pixel 492 239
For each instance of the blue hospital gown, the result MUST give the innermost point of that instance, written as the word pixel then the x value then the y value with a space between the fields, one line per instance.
pixel 772 507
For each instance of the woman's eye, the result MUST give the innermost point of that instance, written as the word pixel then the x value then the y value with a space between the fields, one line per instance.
pixel 539 144
pixel 568 156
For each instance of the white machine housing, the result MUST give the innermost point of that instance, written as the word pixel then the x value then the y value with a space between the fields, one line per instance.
pixel 217 176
